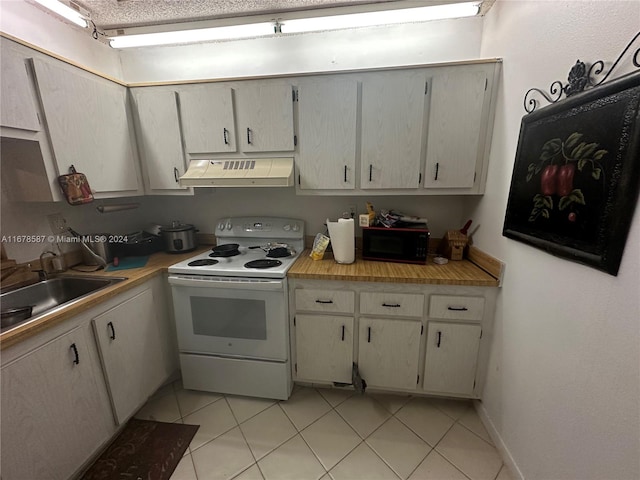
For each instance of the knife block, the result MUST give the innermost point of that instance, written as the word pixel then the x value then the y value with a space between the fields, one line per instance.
pixel 453 244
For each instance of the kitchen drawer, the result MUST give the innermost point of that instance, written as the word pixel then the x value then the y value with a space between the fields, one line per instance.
pixel 394 304
pixel 330 301
pixel 456 307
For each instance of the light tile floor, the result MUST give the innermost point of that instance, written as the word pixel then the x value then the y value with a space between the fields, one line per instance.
pixel 328 434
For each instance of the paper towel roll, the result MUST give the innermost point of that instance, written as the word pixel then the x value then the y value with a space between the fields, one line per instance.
pixel 342 234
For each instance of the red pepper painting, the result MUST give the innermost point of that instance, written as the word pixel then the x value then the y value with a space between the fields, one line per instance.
pixel 558 165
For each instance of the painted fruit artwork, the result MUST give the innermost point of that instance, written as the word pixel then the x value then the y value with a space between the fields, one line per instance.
pixel 561 163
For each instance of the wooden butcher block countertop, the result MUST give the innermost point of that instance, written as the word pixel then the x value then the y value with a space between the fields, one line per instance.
pixel 462 272
pixel 157 264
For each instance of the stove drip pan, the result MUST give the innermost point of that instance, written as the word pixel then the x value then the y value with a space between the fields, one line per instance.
pixel 263 263
pixel 202 262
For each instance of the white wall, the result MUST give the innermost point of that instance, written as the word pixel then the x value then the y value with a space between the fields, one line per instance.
pixel 38 27
pixel 563 389
pixel 427 42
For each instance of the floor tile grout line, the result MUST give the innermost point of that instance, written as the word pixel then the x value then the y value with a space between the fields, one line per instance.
pixel 469 429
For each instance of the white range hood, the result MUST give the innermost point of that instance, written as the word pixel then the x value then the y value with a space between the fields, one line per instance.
pixel 247 172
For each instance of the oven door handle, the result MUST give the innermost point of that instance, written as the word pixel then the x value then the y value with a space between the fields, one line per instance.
pixel 228 283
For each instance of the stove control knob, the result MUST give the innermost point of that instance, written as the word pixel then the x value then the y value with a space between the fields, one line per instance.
pixel 296 227
pixel 221 226
pixel 229 226
pixel 287 227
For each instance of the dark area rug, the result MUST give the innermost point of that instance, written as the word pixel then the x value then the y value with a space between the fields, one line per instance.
pixel 144 450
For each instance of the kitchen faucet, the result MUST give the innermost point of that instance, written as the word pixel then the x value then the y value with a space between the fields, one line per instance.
pixel 42 273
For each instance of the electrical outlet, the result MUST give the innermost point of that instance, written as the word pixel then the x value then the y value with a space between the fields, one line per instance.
pixel 57 223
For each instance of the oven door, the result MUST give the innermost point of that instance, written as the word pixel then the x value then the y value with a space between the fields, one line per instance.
pixel 235 317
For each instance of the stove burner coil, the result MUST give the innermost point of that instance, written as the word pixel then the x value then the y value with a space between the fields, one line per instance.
pixel 279 252
pixel 263 263
pixel 225 250
pixel 201 262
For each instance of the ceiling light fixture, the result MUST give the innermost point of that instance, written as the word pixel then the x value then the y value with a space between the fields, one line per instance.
pixel 191 36
pixel 387 17
pixel 71 11
pixel 298 25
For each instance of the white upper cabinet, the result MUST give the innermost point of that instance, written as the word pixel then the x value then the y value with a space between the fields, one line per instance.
pixel 327 113
pixel 159 139
pixel 88 124
pixel 207 119
pixel 392 129
pixel 458 117
pixel 265 116
pixel 17 100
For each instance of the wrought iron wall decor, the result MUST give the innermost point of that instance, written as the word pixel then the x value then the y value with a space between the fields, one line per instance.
pixel 576 175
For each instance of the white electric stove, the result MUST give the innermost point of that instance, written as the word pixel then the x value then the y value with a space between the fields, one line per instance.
pixel 231 308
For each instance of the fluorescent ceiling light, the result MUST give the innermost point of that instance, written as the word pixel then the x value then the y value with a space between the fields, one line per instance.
pixel 334 22
pixel 192 36
pixel 386 17
pixel 65 11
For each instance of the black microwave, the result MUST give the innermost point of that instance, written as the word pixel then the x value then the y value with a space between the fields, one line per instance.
pixel 405 245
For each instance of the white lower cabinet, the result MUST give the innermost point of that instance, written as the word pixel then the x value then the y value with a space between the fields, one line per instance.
pixel 56 411
pixel 412 338
pixel 53 415
pixel 389 352
pixel 130 341
pixel 451 358
pixel 324 347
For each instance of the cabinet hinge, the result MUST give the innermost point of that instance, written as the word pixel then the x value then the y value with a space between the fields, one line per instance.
pixel 486 83
pixel 295 140
pixel 294 95
pixel 426 87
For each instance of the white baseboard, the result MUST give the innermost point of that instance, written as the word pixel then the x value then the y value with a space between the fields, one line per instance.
pixel 497 441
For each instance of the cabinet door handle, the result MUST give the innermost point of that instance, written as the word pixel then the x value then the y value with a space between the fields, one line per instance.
pixel 249 136
pixel 76 360
pixel 176 174
pixel 458 309
pixel 345 173
pixel 343 333
pixel 324 301
pixel 368 334
pixel 391 305
pixel 437 168
pixel 370 172
pixel 439 339
pixel 113 331
pixel 224 136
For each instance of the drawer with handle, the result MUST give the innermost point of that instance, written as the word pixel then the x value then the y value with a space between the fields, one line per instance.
pixel 456 307
pixel 333 301
pixel 394 304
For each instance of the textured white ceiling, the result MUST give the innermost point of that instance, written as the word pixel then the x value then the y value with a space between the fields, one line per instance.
pixel 111 14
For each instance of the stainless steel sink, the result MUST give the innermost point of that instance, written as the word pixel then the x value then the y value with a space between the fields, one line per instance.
pixel 48 295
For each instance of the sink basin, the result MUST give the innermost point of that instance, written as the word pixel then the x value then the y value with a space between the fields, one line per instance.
pixel 47 295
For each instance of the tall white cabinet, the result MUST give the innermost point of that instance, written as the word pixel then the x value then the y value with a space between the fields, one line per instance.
pixel 89 127
pixel 392 117
pixel 327 114
pixel 459 101
pixel 159 140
